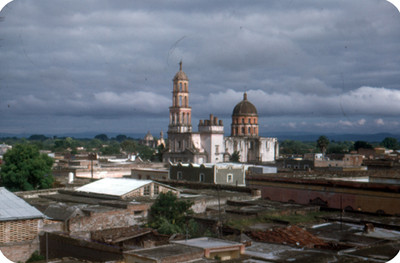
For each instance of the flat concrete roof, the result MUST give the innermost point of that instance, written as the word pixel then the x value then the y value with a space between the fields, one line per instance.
pixel 162 252
pixel 207 242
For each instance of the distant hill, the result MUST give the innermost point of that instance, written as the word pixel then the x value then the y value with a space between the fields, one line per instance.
pixel 299 136
pixel 83 135
pixel 377 137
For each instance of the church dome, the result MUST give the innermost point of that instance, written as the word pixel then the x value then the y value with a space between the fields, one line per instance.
pixel 180 75
pixel 148 137
pixel 244 108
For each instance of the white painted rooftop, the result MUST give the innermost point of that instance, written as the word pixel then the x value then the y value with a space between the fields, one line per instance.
pixel 14 208
pixel 113 186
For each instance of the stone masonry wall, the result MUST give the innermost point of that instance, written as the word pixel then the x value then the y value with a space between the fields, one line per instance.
pixel 20 252
pixel 82 226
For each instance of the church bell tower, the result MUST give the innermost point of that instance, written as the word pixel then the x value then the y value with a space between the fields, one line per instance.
pixel 180 114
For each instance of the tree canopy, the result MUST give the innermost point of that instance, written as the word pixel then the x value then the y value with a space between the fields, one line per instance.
pixel 167 214
pixel 235 157
pixel 322 143
pixel 390 143
pixel 362 145
pixel 26 169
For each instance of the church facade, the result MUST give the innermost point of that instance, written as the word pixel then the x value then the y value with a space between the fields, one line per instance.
pixel 209 145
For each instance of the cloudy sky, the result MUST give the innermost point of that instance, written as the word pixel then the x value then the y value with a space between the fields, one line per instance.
pixel 107 66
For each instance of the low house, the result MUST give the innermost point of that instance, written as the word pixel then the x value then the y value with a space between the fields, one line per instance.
pixel 149 174
pixel 20 224
pixel 104 204
pixel 85 214
pixel 124 188
pixel 215 248
pixel 220 173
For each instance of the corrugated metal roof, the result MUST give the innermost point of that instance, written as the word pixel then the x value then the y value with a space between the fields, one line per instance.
pixel 14 208
pixel 113 186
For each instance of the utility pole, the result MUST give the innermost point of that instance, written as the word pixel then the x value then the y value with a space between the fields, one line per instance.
pixel 219 213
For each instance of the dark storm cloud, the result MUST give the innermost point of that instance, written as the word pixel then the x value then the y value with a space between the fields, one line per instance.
pixel 99 61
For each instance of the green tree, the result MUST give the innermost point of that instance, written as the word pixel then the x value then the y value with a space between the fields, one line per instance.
pixel 112 148
pixel 339 147
pixel 362 145
pixel 295 147
pixel 322 143
pixel 235 157
pixel 390 143
pixel 26 169
pixel 121 138
pixel 101 137
pixel 157 157
pixel 129 146
pixel 168 214
pixel 145 152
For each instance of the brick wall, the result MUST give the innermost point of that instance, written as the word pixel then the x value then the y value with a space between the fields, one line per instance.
pixel 19 230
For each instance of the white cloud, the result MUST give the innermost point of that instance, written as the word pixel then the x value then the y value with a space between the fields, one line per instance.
pixel 361 122
pixel 379 122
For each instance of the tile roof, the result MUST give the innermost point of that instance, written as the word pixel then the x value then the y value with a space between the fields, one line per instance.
pixel 14 208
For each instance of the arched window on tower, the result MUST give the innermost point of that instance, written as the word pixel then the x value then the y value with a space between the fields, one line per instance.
pixel 242 130
pixel 183 118
pixel 180 101
pixel 186 101
pixel 185 87
pixel 180 86
pixel 249 120
pixel 242 120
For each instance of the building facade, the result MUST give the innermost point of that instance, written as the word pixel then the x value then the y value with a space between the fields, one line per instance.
pixel 220 173
pixel 209 145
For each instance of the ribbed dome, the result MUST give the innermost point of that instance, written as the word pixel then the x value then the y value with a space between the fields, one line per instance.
pixel 180 75
pixel 244 108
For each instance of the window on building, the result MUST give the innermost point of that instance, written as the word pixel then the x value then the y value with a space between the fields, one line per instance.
pixel 242 120
pixel 138 213
pixel 180 86
pixel 242 130
pixel 156 189
pixel 179 145
pixel 201 177
pixel 179 175
pixel 229 178
pixel 248 130
pixel 249 120
pixel 217 149
pixel 146 191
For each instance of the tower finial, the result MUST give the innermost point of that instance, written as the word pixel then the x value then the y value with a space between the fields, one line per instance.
pixel 245 96
pixel 180 65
